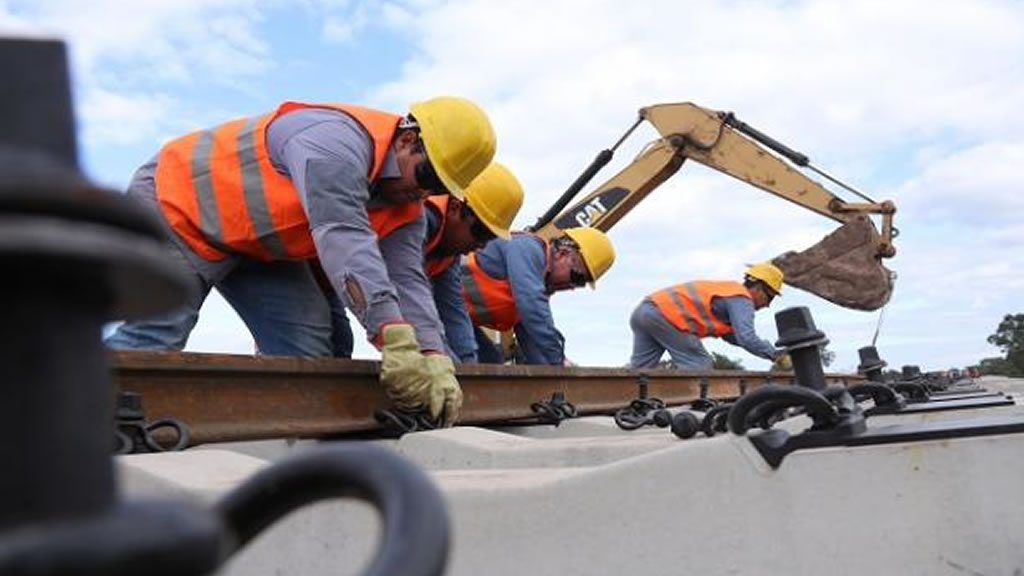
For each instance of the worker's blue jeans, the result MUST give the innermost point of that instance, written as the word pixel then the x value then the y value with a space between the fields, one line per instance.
pixel 487 352
pixel 280 303
pixel 653 335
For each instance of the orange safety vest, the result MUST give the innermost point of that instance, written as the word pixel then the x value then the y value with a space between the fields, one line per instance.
pixel 489 300
pixel 219 192
pixel 435 265
pixel 688 306
pixel 386 220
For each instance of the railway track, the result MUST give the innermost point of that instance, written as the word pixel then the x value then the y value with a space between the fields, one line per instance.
pixel 225 398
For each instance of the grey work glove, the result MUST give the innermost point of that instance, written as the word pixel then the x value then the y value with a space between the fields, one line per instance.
pixel 416 381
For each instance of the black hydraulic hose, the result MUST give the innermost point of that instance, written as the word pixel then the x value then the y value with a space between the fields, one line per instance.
pixel 818 407
pixel 798 158
pixel 415 521
pixel 600 161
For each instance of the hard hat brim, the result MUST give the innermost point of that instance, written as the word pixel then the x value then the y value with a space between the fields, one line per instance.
pixel 498 231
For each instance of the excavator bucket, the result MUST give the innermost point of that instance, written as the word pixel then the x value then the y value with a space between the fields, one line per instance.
pixel 843 268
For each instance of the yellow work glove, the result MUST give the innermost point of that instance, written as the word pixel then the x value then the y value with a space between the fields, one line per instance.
pixel 783 363
pixel 414 381
pixel 445 392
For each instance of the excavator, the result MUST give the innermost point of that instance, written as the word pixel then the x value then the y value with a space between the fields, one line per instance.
pixel 845 267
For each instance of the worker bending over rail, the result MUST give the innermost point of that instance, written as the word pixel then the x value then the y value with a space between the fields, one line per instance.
pixel 249 202
pixel 676 318
pixel 507 286
pixel 454 228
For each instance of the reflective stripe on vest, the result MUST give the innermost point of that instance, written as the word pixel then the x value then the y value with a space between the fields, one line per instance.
pixel 489 300
pixel 435 264
pixel 688 306
pixel 219 192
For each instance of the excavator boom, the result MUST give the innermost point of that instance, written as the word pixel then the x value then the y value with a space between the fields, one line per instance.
pixel 844 268
pixel 720 141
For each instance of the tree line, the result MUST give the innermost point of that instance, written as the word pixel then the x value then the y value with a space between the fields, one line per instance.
pixel 1009 337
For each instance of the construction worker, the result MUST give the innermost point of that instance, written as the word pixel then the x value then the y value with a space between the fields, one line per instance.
pixel 454 228
pixel 249 202
pixel 676 318
pixel 507 285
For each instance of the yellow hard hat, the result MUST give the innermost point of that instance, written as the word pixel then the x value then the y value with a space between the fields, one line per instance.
pixel 495 196
pixel 459 139
pixel 768 273
pixel 595 248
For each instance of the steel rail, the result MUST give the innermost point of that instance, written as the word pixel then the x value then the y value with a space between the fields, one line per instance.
pixel 225 398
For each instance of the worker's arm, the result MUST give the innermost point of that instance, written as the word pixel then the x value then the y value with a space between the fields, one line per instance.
pixel 540 341
pixel 740 313
pixel 327 156
pixel 458 327
pixel 403 255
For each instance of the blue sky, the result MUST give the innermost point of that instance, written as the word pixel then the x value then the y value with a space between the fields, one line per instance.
pixel 905 100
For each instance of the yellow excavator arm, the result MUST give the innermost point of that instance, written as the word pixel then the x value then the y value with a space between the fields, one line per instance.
pixel 715 139
pixel 844 268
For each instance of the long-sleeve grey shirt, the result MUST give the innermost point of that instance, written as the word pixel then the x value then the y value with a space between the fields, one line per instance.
pixel 327 155
pixel 738 312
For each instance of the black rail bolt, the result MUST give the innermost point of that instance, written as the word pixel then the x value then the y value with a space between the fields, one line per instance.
pixel 73 255
pixel 871 364
pixel 803 341
pixel 911 372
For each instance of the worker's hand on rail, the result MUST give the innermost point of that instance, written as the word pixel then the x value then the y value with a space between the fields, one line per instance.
pixel 445 393
pixel 417 381
pixel 782 363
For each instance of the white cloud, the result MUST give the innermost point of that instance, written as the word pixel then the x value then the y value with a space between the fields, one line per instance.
pixel 977 186
pixel 344 24
pixel 104 110
pixel 128 57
